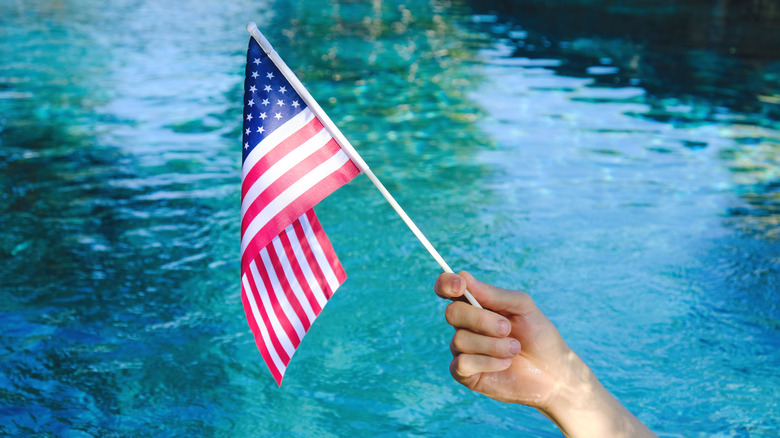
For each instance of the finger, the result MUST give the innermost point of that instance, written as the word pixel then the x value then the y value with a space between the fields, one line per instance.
pixel 454 350
pixel 466 316
pixel 468 342
pixel 499 299
pixel 464 366
pixel 449 286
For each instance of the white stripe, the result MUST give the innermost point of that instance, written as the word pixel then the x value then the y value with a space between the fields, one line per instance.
pixel 319 254
pixel 290 195
pixel 273 139
pixel 281 335
pixel 280 295
pixel 311 279
pixel 292 279
pixel 282 166
pixel 263 332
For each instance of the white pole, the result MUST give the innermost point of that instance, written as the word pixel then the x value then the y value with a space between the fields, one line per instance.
pixel 334 131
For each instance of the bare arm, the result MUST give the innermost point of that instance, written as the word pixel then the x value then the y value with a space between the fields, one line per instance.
pixel 513 353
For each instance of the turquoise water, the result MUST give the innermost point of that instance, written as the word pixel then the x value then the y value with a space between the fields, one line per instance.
pixel 629 183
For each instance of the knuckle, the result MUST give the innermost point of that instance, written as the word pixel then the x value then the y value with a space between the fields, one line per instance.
pixel 451 312
pixel 461 365
pixel 454 350
pixel 454 368
pixel 459 339
pixel 526 302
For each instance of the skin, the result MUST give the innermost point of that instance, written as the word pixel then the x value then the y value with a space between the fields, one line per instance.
pixel 511 352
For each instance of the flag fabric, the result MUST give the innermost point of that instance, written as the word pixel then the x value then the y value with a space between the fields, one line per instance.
pixel 290 162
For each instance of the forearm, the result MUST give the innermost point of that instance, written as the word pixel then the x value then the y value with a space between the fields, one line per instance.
pixel 582 407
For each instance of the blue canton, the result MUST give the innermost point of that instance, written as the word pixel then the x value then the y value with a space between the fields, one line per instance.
pixel 269 100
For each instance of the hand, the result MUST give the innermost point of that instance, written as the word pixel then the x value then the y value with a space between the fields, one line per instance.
pixel 511 352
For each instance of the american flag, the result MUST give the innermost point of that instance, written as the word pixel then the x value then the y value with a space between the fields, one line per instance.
pixel 290 162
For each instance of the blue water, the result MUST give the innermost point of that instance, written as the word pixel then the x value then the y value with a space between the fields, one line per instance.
pixel 634 199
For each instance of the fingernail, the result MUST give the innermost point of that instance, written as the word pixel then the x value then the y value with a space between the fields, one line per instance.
pixel 457 282
pixel 503 327
pixel 514 347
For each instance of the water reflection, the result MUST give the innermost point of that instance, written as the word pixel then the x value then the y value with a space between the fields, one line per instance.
pixel 119 200
pixel 390 74
pixel 698 64
pixel 396 78
pixel 108 223
pixel 724 52
pixel 657 197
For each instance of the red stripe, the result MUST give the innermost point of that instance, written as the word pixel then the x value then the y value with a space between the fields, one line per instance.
pixel 292 335
pixel 275 343
pixel 250 316
pixel 259 342
pixel 278 186
pixel 286 289
pixel 285 147
pixel 311 260
pixel 299 275
pixel 326 246
pixel 297 208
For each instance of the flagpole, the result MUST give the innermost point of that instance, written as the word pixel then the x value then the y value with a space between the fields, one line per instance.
pixel 346 146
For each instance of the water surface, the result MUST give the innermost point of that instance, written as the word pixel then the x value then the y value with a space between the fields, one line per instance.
pixel 640 210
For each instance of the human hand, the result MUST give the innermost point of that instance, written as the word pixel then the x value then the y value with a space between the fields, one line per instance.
pixel 511 352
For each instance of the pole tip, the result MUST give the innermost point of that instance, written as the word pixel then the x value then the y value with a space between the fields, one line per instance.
pixel 258 36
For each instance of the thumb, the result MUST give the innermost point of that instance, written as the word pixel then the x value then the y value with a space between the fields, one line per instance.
pixel 499 299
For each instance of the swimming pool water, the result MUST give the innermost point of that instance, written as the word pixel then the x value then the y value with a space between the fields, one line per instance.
pixel 638 208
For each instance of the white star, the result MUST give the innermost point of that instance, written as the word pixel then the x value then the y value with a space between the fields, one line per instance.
pixel 296 104
pixel 246 145
pixel 263 116
pixel 257 61
pixel 283 90
pixel 254 74
pixel 252 89
pixel 279 102
pixel 260 129
pixel 267 88
pixel 278 116
pixel 249 117
pixel 248 131
pixel 265 102
pixel 251 102
pixel 270 75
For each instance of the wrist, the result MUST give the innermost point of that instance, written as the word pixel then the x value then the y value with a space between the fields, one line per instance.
pixel 575 388
pixel 581 406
